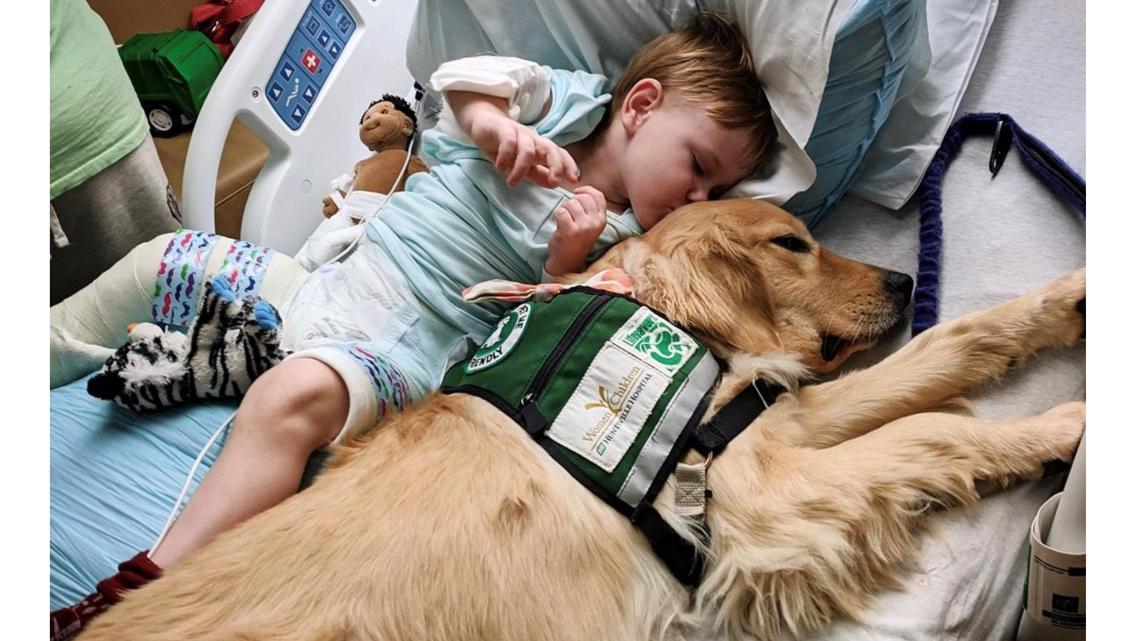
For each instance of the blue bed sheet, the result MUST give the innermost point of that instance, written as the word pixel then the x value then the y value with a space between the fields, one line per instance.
pixel 115 475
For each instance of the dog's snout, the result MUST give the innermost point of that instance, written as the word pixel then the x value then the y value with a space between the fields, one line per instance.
pixel 899 284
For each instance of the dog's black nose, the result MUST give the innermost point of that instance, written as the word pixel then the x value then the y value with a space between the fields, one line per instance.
pixel 898 284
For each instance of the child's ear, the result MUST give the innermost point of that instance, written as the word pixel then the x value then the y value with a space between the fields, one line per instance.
pixel 645 96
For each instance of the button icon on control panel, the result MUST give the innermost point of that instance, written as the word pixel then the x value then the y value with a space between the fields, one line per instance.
pixel 311 61
pixel 334 50
pixel 309 93
pixel 293 94
pixel 324 38
pixel 344 24
pixel 287 71
pixel 298 114
pixel 312 25
pixel 328 6
pixel 275 91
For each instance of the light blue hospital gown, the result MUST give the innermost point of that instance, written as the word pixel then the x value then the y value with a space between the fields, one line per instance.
pixel 390 318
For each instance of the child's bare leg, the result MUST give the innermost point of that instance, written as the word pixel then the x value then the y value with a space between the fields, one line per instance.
pixel 290 411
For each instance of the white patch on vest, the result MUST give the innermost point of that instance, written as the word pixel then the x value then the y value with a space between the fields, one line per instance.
pixel 610 405
pixel 501 341
pixel 655 340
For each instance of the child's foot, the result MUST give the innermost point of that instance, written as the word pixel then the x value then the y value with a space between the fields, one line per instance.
pixel 133 573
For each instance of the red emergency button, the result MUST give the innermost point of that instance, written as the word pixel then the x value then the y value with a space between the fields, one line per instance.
pixel 311 61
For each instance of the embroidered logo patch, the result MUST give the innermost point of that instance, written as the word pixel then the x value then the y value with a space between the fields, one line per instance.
pixel 501 341
pixel 650 337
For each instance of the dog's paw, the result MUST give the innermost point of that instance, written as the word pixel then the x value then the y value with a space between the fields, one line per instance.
pixel 1063 307
pixel 1060 431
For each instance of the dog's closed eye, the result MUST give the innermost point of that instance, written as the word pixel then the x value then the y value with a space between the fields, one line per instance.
pixel 794 243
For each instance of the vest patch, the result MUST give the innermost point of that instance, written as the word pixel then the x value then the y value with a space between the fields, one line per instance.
pixel 652 338
pixel 609 406
pixel 501 341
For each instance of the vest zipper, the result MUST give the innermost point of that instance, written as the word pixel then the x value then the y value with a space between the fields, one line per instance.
pixel 533 419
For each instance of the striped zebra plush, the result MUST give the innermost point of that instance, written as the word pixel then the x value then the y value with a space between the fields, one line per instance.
pixel 232 341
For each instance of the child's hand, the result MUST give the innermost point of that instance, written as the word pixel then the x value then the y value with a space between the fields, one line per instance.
pixel 580 222
pixel 516 149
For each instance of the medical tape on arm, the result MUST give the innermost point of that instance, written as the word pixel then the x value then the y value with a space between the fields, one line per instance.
pixel 524 84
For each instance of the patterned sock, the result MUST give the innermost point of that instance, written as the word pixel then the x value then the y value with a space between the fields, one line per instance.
pixel 133 573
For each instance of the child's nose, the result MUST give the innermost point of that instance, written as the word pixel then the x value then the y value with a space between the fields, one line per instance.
pixel 698 194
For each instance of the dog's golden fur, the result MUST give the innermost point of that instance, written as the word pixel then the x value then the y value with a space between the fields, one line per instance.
pixel 448 522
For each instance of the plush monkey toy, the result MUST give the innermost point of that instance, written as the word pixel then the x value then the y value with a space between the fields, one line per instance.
pixel 385 128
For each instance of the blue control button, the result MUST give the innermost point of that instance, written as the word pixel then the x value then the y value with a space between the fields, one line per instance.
pixel 328 6
pixel 298 114
pixel 309 93
pixel 344 24
pixel 287 71
pixel 334 50
pixel 275 91
pixel 324 38
pixel 312 24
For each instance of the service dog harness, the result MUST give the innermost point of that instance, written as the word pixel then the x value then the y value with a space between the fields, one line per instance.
pixel 613 391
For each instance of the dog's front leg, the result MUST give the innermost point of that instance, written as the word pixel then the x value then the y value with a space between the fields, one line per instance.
pixel 940 364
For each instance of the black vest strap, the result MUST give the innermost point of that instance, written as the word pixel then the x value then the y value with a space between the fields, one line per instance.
pixel 735 416
pixel 682 557
pixel 684 560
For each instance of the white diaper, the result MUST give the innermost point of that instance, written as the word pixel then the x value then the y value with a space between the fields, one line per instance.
pixel 360 318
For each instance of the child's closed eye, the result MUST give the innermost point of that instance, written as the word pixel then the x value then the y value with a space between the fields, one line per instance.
pixel 697 167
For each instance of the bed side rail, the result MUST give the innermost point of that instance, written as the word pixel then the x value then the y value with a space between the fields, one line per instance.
pixel 302 75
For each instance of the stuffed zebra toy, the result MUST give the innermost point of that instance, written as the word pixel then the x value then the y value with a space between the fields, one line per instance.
pixel 233 340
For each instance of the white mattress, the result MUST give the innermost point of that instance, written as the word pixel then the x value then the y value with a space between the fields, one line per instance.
pixel 1002 236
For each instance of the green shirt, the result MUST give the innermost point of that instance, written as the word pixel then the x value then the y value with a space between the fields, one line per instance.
pixel 96 118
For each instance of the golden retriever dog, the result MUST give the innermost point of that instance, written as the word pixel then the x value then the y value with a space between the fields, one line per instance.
pixel 449 523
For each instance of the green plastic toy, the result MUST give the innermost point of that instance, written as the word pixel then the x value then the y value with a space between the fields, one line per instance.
pixel 171 72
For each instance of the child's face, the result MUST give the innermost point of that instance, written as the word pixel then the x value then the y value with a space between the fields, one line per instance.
pixel 677 154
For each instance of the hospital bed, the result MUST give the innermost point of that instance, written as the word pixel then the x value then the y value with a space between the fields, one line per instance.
pixel 1003 236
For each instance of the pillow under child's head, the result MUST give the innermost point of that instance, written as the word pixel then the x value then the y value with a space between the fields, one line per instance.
pixel 793 45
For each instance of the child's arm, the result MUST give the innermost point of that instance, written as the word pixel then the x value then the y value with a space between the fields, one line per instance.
pixel 491 98
pixel 580 222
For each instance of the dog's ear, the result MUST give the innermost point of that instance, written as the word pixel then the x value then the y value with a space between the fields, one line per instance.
pixel 709 284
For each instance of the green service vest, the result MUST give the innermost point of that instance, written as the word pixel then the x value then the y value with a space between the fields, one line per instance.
pixel 609 388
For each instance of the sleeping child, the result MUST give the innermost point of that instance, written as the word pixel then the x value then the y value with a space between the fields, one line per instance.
pixel 534 172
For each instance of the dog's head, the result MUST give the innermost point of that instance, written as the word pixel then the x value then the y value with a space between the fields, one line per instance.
pixel 747 277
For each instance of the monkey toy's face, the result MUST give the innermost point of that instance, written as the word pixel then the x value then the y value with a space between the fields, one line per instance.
pixel 384 125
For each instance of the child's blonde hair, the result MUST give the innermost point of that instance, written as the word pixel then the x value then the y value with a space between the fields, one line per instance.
pixel 707 61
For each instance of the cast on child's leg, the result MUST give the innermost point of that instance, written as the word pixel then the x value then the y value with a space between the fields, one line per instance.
pixel 290 411
pixel 90 324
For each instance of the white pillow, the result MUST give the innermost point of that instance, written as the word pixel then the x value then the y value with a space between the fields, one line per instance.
pixel 908 140
pixel 790 41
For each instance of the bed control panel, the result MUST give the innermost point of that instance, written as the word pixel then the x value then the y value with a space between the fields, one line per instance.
pixel 308 59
